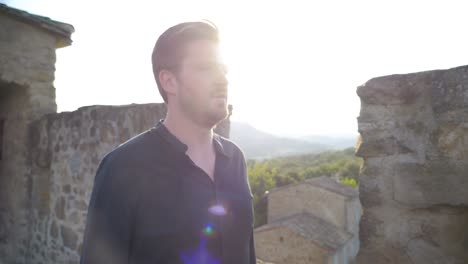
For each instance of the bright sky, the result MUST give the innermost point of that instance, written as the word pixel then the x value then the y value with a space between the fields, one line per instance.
pixel 294 66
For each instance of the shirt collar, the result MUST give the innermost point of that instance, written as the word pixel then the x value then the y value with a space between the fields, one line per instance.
pixel 162 130
pixel 179 146
pixel 219 148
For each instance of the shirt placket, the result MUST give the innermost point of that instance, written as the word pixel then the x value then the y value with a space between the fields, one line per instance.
pixel 212 229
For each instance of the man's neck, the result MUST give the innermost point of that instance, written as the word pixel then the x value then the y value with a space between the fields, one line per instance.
pixel 198 139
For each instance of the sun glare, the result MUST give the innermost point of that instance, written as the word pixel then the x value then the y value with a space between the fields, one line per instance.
pixel 293 62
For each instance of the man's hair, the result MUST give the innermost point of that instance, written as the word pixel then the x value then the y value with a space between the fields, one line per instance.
pixel 169 49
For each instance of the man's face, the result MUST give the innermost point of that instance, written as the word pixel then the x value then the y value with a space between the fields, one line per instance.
pixel 202 84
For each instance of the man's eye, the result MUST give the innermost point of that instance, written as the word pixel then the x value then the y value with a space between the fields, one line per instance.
pixel 206 66
pixel 212 67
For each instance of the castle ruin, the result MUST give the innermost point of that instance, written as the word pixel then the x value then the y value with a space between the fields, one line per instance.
pixel 414 141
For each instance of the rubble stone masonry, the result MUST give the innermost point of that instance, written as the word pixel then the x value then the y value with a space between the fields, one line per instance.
pixel 413 186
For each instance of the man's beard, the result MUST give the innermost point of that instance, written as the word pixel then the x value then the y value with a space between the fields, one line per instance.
pixel 216 117
pixel 203 114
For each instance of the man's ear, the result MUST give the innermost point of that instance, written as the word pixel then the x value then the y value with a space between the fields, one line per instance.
pixel 168 82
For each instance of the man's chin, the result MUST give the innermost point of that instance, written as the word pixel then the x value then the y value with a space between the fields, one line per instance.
pixel 217 116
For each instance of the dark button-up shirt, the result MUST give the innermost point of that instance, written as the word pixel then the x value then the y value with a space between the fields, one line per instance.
pixel 151 204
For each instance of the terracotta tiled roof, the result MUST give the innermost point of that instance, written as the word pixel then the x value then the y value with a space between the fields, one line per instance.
pixel 325 183
pixel 59 29
pixel 331 185
pixel 312 228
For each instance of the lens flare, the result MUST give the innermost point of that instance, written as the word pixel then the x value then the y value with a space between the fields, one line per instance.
pixel 200 255
pixel 208 230
pixel 218 210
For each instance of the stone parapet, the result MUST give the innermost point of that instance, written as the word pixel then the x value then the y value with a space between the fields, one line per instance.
pixel 414 141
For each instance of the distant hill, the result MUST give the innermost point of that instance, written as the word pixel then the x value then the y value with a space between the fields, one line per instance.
pixel 337 143
pixel 257 144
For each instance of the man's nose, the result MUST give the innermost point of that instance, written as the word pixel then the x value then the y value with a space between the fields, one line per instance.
pixel 222 75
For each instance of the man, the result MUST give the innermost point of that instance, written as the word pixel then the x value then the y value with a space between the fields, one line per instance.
pixel 177 193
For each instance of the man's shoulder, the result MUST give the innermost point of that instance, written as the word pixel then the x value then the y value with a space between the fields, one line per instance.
pixel 133 160
pixel 136 148
pixel 230 147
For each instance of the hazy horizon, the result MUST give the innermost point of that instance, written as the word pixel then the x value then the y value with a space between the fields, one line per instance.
pixel 298 135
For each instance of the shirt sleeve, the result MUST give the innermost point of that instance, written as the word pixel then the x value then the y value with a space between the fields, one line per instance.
pixel 253 258
pixel 109 222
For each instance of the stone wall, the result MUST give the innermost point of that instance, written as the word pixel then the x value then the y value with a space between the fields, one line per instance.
pixel 66 150
pixel 413 185
pixel 306 198
pixel 27 58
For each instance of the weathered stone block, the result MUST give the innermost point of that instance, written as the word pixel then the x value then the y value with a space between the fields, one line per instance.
pixel 452 141
pixel 381 147
pixel 60 208
pixel 54 230
pixel 81 205
pixel 391 90
pixel 431 184
pixel 66 188
pixel 74 218
pixel 69 237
